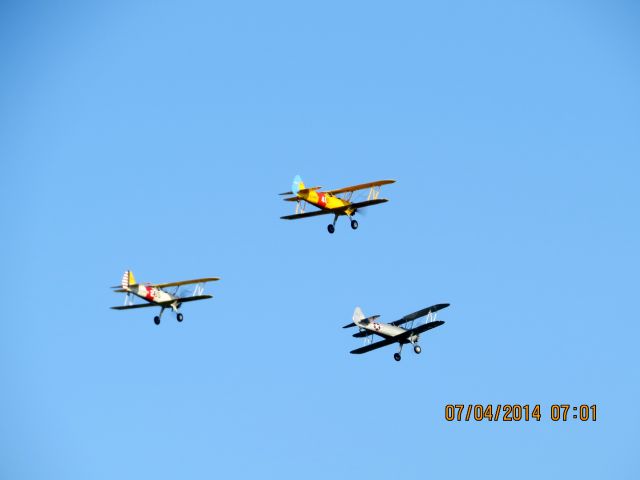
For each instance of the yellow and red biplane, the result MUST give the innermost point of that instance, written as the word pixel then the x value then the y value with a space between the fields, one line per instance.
pixel 155 295
pixel 330 203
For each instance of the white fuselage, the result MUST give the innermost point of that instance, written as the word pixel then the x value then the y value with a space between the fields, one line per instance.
pixel 385 330
pixel 152 294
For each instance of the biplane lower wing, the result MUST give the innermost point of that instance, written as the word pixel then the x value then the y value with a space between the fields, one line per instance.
pixel 139 305
pixel 403 337
pixel 336 211
pixel 366 203
pixel 375 346
pixel 195 297
pixel 164 304
pixel 307 214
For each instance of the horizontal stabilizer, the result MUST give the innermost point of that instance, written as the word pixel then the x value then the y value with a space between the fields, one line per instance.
pixel 303 191
pixel 364 320
pixel 306 190
pixel 119 289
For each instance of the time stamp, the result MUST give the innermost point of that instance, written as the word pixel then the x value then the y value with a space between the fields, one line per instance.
pixel 515 412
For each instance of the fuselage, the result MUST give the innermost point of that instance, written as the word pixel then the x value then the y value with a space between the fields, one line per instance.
pixel 325 201
pixel 151 294
pixel 385 330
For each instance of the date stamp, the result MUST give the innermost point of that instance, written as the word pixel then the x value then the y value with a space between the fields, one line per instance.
pixel 515 412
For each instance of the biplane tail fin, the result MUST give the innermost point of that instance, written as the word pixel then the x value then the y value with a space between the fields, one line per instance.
pixel 358 316
pixel 128 279
pixel 359 320
pixel 297 184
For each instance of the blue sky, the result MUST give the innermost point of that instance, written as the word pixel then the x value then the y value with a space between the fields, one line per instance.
pixel 155 136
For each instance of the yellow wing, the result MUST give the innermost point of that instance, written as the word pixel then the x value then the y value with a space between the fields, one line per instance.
pixel 362 186
pixel 185 282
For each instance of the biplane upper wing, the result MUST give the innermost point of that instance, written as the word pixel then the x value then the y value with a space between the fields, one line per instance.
pixel 398 338
pixel 185 282
pixel 362 186
pixel 419 313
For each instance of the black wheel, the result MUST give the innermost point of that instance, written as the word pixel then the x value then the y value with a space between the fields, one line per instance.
pixel 179 317
pixel 354 224
pixel 397 357
pixel 331 228
pixel 417 349
pixel 156 320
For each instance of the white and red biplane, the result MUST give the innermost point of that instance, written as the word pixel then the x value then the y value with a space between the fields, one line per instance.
pixel 156 296
pixel 393 332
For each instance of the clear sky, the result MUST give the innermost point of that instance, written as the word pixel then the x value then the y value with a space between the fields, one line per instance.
pixel 156 135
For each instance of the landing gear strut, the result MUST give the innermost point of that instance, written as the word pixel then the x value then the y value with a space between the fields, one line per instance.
pixel 396 356
pixel 332 226
pixel 156 319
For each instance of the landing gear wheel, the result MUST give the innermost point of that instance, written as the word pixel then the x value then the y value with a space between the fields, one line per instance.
pixel 354 224
pixel 331 228
pixel 397 357
pixel 179 317
pixel 417 349
pixel 156 320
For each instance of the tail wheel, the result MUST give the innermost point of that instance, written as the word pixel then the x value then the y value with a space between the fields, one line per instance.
pixel 156 320
pixel 354 224
pixel 331 228
pixel 417 349
pixel 397 357
pixel 179 317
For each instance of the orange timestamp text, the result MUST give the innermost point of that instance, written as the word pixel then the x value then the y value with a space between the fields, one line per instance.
pixel 518 412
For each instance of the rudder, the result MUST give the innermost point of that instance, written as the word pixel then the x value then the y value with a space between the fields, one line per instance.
pixel 127 279
pixel 358 316
pixel 297 184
